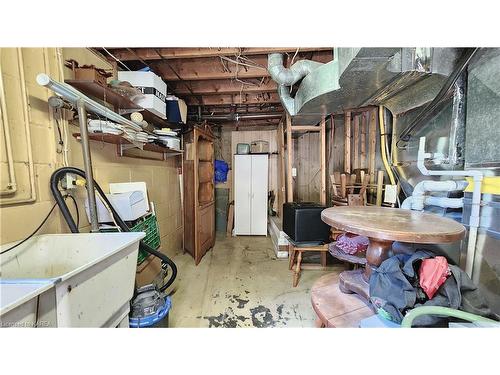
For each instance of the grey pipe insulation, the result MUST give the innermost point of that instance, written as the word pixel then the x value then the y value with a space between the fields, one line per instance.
pixel 286 77
pixel 56 178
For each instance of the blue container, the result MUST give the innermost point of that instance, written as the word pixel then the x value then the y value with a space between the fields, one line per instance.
pixel 156 320
pixel 173 112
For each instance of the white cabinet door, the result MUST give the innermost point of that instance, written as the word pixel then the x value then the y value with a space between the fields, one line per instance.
pixel 242 194
pixel 259 188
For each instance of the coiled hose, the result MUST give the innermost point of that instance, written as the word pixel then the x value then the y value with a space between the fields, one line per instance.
pixel 58 175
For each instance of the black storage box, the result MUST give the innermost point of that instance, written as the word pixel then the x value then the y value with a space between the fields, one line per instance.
pixel 302 223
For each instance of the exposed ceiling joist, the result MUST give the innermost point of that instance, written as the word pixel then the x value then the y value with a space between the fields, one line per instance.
pixel 244 98
pixel 223 86
pixel 125 54
pixel 218 68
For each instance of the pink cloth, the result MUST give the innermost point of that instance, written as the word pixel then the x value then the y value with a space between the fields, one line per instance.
pixel 351 243
pixel 432 274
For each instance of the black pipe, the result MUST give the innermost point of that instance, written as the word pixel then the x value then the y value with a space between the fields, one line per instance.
pixel 58 175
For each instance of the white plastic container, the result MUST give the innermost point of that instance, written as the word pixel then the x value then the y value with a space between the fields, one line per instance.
pixel 129 205
pixel 153 88
pixel 69 280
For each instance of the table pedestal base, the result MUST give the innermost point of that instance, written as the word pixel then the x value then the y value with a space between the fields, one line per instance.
pixel 354 282
pixel 357 281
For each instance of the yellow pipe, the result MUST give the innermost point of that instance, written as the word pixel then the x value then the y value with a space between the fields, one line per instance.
pixel 382 144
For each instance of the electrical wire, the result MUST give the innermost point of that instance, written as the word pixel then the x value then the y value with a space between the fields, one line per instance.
pixel 76 209
pixel 116 59
pixel 383 145
pixel 34 232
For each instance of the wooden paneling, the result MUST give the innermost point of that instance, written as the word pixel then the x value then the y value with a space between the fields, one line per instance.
pixel 307 162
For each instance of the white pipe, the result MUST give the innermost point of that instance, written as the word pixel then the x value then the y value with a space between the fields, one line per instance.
pixel 419 199
pixel 73 95
pixel 411 203
pixel 476 199
pixel 12 185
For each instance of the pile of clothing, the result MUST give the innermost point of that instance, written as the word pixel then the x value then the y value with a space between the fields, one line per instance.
pixel 351 243
pixel 406 281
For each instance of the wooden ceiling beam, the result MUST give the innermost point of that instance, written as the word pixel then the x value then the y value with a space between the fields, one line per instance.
pixel 223 86
pixel 217 68
pixel 244 98
pixel 187 53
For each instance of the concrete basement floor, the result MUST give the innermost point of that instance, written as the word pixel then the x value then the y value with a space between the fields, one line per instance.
pixel 240 283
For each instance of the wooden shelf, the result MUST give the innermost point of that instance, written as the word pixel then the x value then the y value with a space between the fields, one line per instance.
pixel 120 141
pixel 118 101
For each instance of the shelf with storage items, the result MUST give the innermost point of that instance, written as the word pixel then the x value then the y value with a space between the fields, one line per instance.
pixel 120 103
pixel 123 144
pixel 199 193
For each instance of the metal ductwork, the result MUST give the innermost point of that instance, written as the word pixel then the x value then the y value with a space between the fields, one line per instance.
pixel 360 77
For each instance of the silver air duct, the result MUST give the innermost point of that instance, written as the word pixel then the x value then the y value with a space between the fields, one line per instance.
pixel 286 77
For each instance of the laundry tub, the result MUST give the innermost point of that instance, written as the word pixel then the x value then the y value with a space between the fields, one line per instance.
pixel 69 280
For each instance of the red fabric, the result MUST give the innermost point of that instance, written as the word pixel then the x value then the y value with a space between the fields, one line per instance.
pixel 351 243
pixel 432 274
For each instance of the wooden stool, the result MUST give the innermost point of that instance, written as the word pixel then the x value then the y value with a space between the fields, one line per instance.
pixel 298 250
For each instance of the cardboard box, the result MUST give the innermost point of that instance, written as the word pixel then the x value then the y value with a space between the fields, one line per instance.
pixel 90 74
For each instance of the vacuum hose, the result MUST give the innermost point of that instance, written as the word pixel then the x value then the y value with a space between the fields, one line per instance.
pixel 58 175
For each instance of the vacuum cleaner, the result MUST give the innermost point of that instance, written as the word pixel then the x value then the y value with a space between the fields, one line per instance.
pixel 150 304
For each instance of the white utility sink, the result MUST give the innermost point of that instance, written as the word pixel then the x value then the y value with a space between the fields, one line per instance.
pixel 68 280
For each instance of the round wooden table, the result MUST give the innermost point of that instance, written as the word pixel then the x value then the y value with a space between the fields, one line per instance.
pixel 383 226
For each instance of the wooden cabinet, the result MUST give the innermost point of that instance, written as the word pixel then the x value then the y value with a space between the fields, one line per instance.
pixel 199 197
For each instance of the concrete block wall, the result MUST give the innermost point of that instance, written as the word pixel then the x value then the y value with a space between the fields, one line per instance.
pixel 19 219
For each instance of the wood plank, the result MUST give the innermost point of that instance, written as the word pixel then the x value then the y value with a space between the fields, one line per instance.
pixel 230 219
pixel 355 152
pixel 223 86
pixel 372 140
pixel 308 128
pixel 323 162
pixel 380 187
pixel 192 52
pixel 244 98
pixel 347 142
pixel 289 147
pixel 281 169
pixel 362 156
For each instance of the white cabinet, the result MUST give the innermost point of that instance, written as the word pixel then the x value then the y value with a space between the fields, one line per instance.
pixel 250 194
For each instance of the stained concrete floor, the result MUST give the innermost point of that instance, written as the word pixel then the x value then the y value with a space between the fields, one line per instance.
pixel 240 283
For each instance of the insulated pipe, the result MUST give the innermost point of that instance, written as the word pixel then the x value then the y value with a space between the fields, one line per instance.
pixel 87 163
pixel 73 95
pixel 286 77
pixel 289 76
pixel 476 199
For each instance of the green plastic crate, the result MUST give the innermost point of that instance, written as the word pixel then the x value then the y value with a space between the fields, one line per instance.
pixel 149 225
